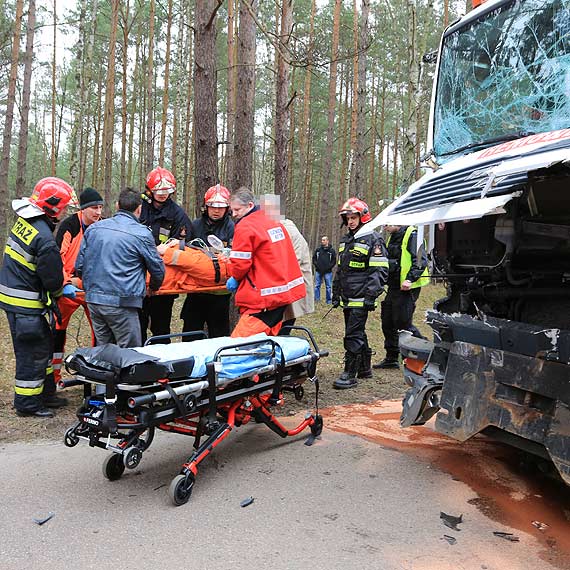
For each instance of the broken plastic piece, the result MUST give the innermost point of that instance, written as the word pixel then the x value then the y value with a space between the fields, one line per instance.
pixel 45 519
pixel 539 525
pixel 507 536
pixel 449 539
pixel 310 440
pixel 450 520
pixel 246 502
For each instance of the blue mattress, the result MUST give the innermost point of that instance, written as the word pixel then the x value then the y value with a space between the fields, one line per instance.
pixel 234 362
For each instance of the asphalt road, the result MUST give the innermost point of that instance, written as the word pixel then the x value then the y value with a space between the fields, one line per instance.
pixel 343 503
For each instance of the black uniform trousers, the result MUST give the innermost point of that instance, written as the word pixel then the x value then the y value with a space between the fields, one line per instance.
pixel 205 308
pixel 397 313
pixel 156 313
pixel 355 339
pixel 33 347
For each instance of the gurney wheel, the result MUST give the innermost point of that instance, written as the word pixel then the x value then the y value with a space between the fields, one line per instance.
pixel 299 392
pixel 70 439
pixel 132 457
pixel 113 467
pixel 317 427
pixel 180 489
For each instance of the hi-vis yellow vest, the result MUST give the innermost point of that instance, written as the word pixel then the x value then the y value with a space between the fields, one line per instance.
pixel 406 261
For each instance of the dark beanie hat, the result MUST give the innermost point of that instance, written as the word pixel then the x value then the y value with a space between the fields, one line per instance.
pixel 89 197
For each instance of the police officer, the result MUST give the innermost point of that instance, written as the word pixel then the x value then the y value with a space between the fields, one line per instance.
pixel 212 309
pixel 408 273
pixel 362 271
pixel 166 219
pixel 31 279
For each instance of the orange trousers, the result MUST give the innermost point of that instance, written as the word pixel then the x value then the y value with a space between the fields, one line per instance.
pixel 248 325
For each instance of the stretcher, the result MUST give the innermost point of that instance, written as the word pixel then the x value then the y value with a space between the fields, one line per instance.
pixel 202 388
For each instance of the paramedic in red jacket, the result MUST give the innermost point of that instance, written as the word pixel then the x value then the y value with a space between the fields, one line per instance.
pixel 263 266
pixel 68 237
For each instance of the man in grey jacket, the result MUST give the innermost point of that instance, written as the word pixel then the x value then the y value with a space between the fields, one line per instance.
pixel 113 260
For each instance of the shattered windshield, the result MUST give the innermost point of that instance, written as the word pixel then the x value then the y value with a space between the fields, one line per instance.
pixel 505 74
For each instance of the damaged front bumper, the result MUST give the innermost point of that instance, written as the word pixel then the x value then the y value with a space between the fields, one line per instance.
pixel 503 378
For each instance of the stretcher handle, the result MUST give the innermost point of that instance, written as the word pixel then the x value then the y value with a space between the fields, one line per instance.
pixel 68 382
pixel 135 401
pixel 194 335
pixel 288 328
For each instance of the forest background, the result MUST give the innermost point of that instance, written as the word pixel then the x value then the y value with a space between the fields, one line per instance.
pixel 314 100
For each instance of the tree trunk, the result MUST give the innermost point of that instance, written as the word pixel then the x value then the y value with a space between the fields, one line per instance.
pixel 205 116
pixel 166 84
pixel 109 124
pixel 124 94
pixel 359 149
pixel 411 105
pixel 231 95
pixel 53 90
pixel 327 173
pixel 281 122
pixel 149 159
pixel 188 127
pixel 243 139
pixel 25 110
pixel 7 137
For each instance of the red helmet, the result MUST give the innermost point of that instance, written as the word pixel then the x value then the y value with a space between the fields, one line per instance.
pixel 356 206
pixel 52 195
pixel 217 196
pixel 161 181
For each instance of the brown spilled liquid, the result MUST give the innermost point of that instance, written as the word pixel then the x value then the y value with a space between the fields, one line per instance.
pixel 508 492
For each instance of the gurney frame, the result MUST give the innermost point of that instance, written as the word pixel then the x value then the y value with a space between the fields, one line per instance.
pixel 124 419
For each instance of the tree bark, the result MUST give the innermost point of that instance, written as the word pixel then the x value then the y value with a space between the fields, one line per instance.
pixel 166 84
pixel 281 171
pixel 205 115
pixel 25 110
pixel 243 140
pixel 149 159
pixel 231 94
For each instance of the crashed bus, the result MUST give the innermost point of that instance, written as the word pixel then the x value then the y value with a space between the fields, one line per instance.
pixel 494 208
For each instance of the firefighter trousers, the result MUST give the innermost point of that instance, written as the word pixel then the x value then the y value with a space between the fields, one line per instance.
pixel 33 346
pixel 355 338
pixel 397 314
pixel 206 308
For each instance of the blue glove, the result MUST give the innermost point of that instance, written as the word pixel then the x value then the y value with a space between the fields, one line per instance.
pixel 69 291
pixel 232 284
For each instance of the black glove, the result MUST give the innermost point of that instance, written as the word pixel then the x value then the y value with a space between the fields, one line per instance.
pixel 369 305
pixel 335 303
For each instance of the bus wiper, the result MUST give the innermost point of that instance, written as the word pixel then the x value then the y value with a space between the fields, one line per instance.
pixel 487 142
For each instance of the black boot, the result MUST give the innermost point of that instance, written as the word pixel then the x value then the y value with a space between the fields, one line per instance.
pixel 348 377
pixel 50 399
pixel 391 361
pixel 365 369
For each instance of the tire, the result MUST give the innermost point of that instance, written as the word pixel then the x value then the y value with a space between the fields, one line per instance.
pixel 132 457
pixel 113 467
pixel 181 488
pixel 70 439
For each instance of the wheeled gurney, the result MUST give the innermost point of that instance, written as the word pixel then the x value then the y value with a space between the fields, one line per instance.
pixel 202 388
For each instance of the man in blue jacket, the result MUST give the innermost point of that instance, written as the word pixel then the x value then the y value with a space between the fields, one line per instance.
pixel 113 260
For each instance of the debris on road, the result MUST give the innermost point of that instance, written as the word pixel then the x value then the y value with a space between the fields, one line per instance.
pixel 507 536
pixel 539 525
pixel 246 502
pixel 451 521
pixel 41 521
pixel 449 539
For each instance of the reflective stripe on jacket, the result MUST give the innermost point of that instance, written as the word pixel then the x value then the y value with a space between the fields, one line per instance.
pixel 32 272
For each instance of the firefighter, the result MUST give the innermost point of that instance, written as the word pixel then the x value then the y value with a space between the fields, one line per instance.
pixel 362 272
pixel 68 237
pixel 31 279
pixel 166 219
pixel 212 309
pixel 263 266
pixel 408 273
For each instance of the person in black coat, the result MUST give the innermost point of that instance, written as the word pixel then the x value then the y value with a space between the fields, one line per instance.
pixel 324 259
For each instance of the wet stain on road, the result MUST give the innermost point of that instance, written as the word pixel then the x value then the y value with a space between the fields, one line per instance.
pixel 509 492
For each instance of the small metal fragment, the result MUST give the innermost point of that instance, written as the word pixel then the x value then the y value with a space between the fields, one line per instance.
pixel 45 519
pixel 507 536
pixel 246 502
pixel 539 525
pixel 451 521
pixel 449 539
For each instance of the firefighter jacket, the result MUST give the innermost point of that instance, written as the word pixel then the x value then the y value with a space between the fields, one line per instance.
pixel 264 262
pixel 68 238
pixel 168 221
pixel 324 259
pixel 362 269
pixel 114 257
pixel 406 262
pixel 32 272
pixel 223 228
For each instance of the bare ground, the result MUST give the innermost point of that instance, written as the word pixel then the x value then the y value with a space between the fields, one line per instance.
pixel 328 331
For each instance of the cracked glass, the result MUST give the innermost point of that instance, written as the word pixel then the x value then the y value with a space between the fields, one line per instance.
pixel 503 76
